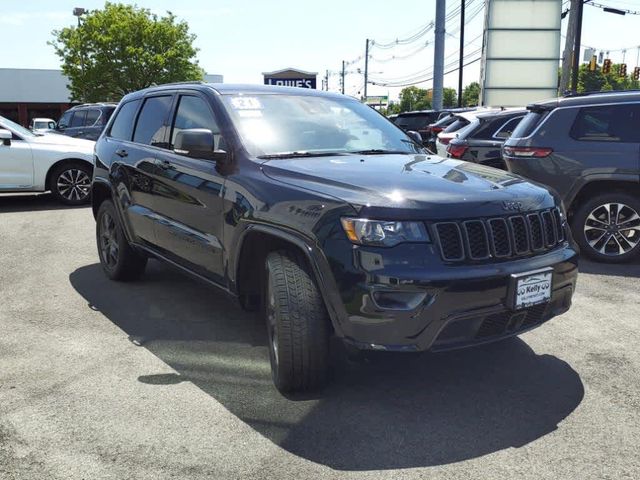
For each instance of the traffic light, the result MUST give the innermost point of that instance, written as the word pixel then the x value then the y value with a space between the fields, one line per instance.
pixel 593 63
pixel 623 69
pixel 636 73
pixel 606 65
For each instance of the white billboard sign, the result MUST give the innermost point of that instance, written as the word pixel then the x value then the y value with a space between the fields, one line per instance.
pixel 521 52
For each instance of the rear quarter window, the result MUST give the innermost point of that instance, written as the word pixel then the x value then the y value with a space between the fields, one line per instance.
pixel 122 126
pixel 528 124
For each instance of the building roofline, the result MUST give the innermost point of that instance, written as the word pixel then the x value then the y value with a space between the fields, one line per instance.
pixel 276 72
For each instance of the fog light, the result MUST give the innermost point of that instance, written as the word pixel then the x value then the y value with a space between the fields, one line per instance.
pixel 394 300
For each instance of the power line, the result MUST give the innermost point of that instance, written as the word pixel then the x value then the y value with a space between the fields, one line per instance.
pixel 427 79
pixel 420 77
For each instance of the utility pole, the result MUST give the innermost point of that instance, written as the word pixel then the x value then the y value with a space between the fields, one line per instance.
pixel 576 48
pixel 438 55
pixel 461 61
pixel 342 78
pixel 78 12
pixel 326 80
pixel 366 68
pixel 565 74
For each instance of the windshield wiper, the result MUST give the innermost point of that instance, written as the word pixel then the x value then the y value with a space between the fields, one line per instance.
pixel 379 151
pixel 300 154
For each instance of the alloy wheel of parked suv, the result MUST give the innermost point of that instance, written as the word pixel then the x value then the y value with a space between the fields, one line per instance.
pixel 72 183
pixel 608 227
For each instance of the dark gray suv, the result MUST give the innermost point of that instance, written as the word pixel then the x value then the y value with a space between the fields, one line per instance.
pixel 587 148
pixel 85 121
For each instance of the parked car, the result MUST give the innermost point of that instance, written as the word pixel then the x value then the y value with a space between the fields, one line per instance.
pixel 42 125
pixel 481 141
pixel 31 162
pixel 313 207
pixel 85 121
pixel 587 149
pixel 421 121
pixel 435 129
pixel 460 121
pixel 417 121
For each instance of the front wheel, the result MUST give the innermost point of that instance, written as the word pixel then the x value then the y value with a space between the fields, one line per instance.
pixel 71 183
pixel 297 324
pixel 607 227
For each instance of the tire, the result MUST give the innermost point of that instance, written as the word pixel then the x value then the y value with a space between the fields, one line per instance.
pixel 71 183
pixel 118 259
pixel 297 324
pixel 607 227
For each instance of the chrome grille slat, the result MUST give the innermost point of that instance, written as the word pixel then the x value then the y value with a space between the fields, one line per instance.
pixel 496 238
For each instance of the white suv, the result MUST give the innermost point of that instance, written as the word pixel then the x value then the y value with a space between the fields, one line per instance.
pixel 31 162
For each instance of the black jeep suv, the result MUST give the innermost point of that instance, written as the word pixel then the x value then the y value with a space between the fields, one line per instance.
pixel 587 149
pixel 317 209
pixel 85 121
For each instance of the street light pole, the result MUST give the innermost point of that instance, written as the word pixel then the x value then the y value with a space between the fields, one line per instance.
pixel 78 12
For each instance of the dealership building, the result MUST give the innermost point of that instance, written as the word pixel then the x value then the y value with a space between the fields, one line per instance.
pixel 27 93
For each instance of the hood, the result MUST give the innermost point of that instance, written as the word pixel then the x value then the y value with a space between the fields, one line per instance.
pixel 57 139
pixel 412 186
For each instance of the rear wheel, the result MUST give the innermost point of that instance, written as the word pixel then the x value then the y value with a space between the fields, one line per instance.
pixel 71 183
pixel 297 324
pixel 607 227
pixel 118 259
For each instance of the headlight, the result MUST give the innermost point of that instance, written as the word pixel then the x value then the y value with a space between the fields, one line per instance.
pixel 383 233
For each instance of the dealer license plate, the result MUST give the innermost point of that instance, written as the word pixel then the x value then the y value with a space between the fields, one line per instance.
pixel 531 288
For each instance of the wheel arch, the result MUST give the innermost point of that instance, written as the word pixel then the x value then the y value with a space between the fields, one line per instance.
pixel 100 191
pixel 257 241
pixel 603 184
pixel 52 168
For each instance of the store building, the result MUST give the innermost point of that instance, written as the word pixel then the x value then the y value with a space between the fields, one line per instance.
pixel 27 93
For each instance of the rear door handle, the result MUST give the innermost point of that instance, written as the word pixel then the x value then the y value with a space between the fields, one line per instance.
pixel 165 164
pixel 122 153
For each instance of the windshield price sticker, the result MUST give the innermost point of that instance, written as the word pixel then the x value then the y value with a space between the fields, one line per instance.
pixel 533 289
pixel 246 103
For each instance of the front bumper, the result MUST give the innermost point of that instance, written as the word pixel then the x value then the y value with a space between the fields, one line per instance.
pixel 391 304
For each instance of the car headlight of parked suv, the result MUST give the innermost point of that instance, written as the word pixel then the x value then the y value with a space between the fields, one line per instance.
pixel 382 233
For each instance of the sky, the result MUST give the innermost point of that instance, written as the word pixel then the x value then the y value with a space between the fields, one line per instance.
pixel 240 39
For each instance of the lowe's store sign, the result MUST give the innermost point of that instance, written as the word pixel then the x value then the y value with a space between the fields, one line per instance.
pixel 290 77
pixel 291 82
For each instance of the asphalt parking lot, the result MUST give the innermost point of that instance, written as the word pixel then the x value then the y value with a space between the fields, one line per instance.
pixel 80 399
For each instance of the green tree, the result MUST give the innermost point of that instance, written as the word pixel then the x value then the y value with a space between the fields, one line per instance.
pixel 414 98
pixel 124 48
pixel 471 95
pixel 597 81
pixel 449 98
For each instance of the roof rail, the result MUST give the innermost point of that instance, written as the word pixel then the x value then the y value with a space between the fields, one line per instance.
pixel 95 104
pixel 187 82
pixel 570 94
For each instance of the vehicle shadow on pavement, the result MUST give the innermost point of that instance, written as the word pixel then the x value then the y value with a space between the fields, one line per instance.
pixel 627 269
pixel 389 412
pixel 32 202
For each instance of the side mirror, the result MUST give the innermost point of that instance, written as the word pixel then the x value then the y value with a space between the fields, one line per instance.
pixel 415 136
pixel 5 136
pixel 198 143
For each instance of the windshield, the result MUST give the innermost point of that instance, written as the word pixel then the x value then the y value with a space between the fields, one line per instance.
pixel 20 130
pixel 274 124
